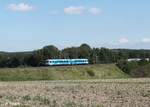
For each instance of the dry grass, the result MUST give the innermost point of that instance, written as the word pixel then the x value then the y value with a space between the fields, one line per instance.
pixel 84 72
pixel 90 93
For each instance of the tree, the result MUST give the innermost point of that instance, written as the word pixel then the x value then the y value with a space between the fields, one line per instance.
pixel 3 60
pixel 31 61
pixel 84 51
pixel 94 58
pixel 14 62
pixel 106 55
pixel 50 52
pixel 71 53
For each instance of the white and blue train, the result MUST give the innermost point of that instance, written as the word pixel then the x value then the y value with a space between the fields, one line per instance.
pixel 55 62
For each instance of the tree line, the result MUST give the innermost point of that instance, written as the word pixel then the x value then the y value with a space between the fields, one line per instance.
pixel 95 55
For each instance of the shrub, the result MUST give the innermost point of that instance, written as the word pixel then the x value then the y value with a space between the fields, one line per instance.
pixel 26 98
pixel 70 104
pixel 135 68
pixel 41 99
pixel 90 72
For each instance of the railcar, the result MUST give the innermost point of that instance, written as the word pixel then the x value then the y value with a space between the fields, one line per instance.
pixel 51 62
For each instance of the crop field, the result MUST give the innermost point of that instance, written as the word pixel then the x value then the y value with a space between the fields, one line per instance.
pixel 76 93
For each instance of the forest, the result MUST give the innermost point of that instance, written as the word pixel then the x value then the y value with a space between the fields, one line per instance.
pixel 95 55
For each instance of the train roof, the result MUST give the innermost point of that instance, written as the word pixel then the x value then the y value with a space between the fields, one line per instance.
pixel 65 59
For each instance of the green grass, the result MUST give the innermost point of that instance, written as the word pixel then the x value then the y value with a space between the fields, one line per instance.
pixel 100 71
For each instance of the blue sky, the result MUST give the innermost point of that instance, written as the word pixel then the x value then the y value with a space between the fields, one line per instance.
pixel 31 24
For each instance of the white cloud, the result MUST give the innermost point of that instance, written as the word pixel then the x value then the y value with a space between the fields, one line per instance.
pixel 22 7
pixel 146 40
pixel 123 40
pixel 95 11
pixel 82 10
pixel 74 10
pixel 54 12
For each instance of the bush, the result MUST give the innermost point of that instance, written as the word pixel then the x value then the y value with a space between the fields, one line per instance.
pixel 141 71
pixel 26 98
pixel 135 68
pixel 90 73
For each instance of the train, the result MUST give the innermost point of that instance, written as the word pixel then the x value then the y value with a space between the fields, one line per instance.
pixel 57 62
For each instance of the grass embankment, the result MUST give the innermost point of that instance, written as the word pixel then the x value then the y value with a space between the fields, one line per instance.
pixel 100 71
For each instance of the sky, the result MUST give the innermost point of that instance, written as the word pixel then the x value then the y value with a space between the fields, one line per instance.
pixel 27 25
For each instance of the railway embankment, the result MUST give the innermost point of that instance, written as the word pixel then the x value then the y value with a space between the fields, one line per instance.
pixel 81 72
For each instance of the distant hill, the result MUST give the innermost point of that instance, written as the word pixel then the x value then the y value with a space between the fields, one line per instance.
pixel 26 52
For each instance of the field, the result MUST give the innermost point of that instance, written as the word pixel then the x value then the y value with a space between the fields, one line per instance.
pixel 76 93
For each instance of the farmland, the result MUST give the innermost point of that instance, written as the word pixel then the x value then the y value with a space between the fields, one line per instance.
pixel 100 85
pixel 76 93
